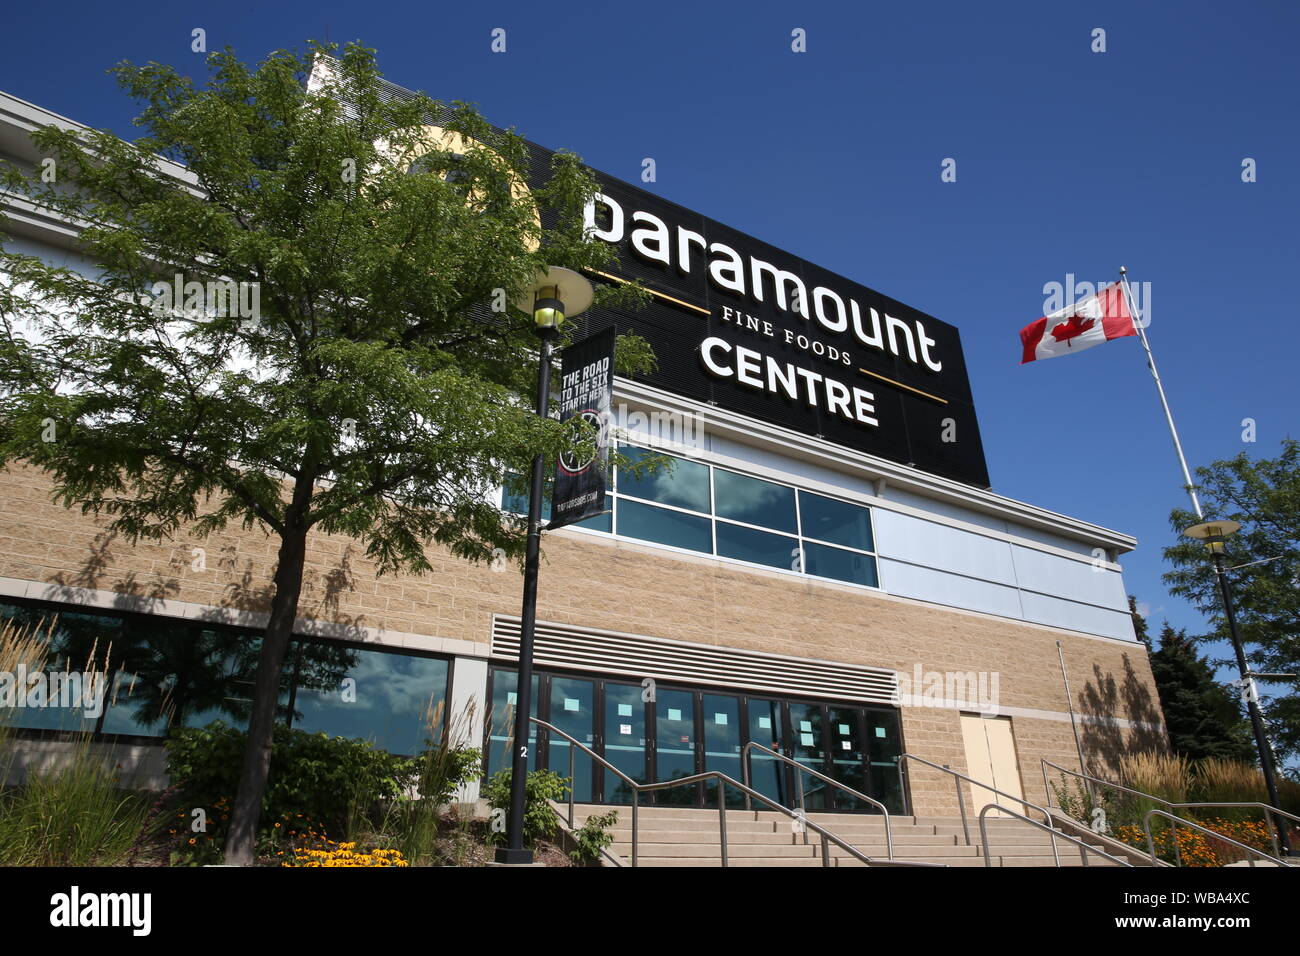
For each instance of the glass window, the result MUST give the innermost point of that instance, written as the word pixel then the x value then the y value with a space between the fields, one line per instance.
pixel 518 504
pixel 58 694
pixel 396 701
pixel 758 547
pixel 827 562
pixel 193 676
pixel 660 525
pixel 838 522
pixel 602 522
pixel 681 483
pixel 753 501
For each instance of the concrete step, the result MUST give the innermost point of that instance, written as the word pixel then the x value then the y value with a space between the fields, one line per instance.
pixel 711 851
pixel 688 836
pixel 733 861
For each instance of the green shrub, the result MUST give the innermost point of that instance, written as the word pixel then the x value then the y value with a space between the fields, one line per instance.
pixel 316 779
pixel 539 819
pixel 592 837
pixel 73 816
pixel 412 825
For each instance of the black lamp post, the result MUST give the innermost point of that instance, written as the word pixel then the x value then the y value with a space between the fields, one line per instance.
pixel 553 295
pixel 1213 534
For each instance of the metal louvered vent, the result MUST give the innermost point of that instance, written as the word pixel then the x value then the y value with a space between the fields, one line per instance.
pixel 629 655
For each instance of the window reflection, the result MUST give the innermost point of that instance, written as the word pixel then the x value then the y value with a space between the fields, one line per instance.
pixel 662 526
pixel 681 483
pixel 167 672
pixel 838 522
pixel 753 501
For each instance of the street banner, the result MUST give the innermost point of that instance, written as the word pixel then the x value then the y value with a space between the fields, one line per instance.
pixel 586 388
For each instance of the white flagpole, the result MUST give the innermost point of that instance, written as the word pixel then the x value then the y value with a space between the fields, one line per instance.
pixel 1169 417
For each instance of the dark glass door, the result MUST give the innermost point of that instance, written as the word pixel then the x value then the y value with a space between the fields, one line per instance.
pixel 686 731
pixel 674 750
pixel 624 739
pixel 848 756
pixel 501 722
pixel 806 732
pixel 766 721
pixel 884 744
pixel 722 740
pixel 572 701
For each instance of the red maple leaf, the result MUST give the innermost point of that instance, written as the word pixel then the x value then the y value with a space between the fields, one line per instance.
pixel 1075 325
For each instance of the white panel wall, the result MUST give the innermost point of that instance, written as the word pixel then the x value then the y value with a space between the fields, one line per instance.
pixel 1042 609
pixel 938 546
pixel 930 561
pixel 953 590
pixel 1076 580
pixel 968 515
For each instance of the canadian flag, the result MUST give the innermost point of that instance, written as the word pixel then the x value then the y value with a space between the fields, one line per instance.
pixel 1091 321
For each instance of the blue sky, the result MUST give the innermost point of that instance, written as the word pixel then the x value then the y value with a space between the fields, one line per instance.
pixel 1068 162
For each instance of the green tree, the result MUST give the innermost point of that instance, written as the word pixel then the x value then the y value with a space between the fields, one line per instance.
pixel 1264 496
pixel 1203 717
pixel 1139 622
pixel 376 392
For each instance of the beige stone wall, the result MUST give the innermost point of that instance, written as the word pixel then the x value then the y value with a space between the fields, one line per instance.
pixel 637 589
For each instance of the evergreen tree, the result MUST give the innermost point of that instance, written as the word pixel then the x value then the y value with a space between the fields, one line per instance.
pixel 1204 718
pixel 1139 622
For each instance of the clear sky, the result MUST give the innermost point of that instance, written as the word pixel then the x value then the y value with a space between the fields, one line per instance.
pixel 1068 162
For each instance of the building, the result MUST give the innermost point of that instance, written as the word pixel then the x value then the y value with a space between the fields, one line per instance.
pixel 825 569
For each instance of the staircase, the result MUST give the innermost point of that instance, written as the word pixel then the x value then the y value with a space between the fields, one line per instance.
pixel 673 836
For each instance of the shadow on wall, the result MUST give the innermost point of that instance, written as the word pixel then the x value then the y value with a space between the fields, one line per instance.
pixel 1105 740
pixel 246 603
pixel 132 594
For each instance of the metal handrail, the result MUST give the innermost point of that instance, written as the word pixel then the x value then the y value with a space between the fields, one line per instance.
pixel 1268 809
pixel 603 762
pixel 1151 847
pixel 984 838
pixel 826 835
pixel 961 804
pixel 747 774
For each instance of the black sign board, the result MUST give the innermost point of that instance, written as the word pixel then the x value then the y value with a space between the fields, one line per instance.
pixel 586 386
pixel 742 325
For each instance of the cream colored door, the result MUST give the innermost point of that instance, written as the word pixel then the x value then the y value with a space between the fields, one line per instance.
pixel 991 759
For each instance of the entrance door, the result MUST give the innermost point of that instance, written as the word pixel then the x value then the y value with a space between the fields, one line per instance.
pixel 806 737
pixel 573 711
pixel 625 740
pixel 722 739
pixel 765 723
pixel 991 759
pixel 500 723
pixel 848 756
pixel 674 751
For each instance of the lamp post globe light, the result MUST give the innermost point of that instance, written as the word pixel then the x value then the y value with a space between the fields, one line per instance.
pixel 1213 534
pixel 554 295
